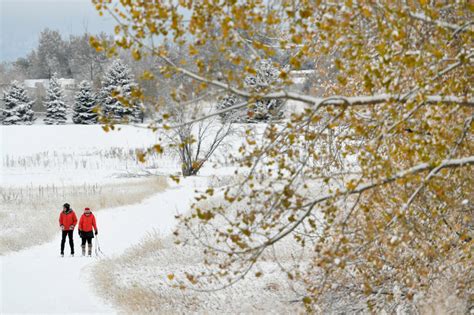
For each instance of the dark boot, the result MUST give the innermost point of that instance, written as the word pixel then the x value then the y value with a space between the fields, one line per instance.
pixel 83 250
pixel 90 249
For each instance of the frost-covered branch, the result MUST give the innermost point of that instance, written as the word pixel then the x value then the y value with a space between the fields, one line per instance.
pixel 295 96
pixel 336 100
pixel 424 18
pixel 451 163
pixel 343 101
pixel 434 171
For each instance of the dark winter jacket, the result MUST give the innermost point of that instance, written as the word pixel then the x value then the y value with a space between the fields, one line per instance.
pixel 68 220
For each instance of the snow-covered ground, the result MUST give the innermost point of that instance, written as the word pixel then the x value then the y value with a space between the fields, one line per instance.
pixel 72 154
pixel 148 289
pixel 38 280
pixel 21 140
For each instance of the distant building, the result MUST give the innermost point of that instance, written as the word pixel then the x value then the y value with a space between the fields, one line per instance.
pixel 66 84
pixel 300 78
pixel 37 90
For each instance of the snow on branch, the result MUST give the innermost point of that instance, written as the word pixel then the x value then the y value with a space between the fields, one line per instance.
pixel 450 163
pixel 340 101
pixel 424 18
pixel 318 101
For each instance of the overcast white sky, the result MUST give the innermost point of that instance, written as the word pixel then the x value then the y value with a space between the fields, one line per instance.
pixel 21 21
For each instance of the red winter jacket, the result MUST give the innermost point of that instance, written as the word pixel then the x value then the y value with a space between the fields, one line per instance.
pixel 87 222
pixel 68 220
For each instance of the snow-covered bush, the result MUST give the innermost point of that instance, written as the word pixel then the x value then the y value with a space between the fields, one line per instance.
pixel 227 101
pixel 84 105
pixel 17 108
pixel 116 93
pixel 55 105
pixel 261 110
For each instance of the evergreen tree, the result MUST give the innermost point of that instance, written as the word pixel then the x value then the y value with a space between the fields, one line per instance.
pixel 55 106
pixel 267 75
pixel 17 108
pixel 237 115
pixel 117 87
pixel 84 105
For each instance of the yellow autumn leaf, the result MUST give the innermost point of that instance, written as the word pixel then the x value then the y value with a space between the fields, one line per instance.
pixel 136 54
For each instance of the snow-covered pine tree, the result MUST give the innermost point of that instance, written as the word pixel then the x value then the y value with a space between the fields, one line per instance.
pixel 262 110
pixel 84 105
pixel 117 84
pixel 237 115
pixel 55 106
pixel 17 105
pixel 266 76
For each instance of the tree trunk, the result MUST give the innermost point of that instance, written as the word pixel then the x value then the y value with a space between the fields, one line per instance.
pixel 189 170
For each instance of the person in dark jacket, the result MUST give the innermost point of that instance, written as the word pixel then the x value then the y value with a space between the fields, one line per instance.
pixel 86 224
pixel 67 223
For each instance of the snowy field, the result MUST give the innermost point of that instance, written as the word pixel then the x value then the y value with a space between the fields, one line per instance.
pixel 135 204
pixel 149 289
pixel 72 154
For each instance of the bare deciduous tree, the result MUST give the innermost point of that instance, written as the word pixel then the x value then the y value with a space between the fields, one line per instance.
pixel 195 143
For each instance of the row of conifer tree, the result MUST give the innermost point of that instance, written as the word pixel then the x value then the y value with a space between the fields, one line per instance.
pixel 117 84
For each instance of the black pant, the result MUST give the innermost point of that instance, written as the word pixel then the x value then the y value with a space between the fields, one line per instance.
pixel 71 241
pixel 88 239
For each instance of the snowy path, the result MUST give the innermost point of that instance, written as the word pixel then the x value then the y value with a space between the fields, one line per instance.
pixel 38 280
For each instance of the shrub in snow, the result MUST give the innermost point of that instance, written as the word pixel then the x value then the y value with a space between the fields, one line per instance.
pixel 84 105
pixel 116 92
pixel 261 110
pixel 237 115
pixel 55 106
pixel 17 108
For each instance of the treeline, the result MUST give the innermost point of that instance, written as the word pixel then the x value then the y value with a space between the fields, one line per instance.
pixel 68 58
pixel 72 58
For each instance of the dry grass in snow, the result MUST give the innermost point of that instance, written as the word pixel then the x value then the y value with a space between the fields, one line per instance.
pixel 138 282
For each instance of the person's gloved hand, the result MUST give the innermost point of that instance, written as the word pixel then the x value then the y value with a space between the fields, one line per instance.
pixel 62 227
pixel 96 232
pixel 80 233
pixel 71 227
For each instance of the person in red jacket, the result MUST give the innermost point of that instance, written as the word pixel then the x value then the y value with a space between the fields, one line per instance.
pixel 67 223
pixel 86 223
